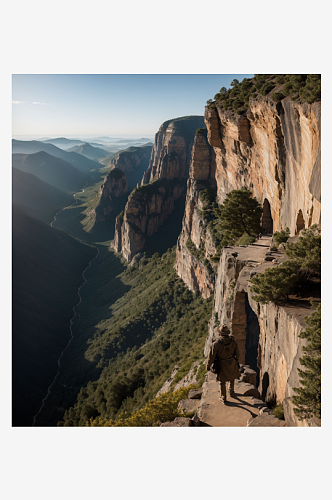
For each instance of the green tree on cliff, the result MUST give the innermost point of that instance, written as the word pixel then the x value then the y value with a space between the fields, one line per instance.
pixel 301 272
pixel 239 214
pixel 308 400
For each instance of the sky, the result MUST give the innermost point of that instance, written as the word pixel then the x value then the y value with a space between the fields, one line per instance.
pixel 77 105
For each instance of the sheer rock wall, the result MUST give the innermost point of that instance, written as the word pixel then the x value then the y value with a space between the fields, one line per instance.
pixel 163 183
pixel 274 151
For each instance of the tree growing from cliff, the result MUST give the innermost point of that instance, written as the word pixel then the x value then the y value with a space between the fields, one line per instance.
pixel 275 284
pixel 306 253
pixel 300 273
pixel 239 214
pixel 281 236
pixel 308 400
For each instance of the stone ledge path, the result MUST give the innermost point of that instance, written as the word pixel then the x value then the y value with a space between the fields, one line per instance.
pixel 236 413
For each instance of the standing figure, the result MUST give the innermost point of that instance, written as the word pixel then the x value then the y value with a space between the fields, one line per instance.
pixel 228 351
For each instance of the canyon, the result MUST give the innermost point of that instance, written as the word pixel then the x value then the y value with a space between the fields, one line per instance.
pixel 163 183
pixel 273 150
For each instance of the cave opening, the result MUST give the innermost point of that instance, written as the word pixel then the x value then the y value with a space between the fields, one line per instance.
pixel 267 221
pixel 300 224
pixel 246 331
pixel 252 338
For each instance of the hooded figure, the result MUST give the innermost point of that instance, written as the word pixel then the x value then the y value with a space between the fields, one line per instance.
pixel 228 351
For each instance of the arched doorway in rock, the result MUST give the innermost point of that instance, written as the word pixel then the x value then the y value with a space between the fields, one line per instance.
pixel 300 224
pixel 265 385
pixel 252 338
pixel 267 221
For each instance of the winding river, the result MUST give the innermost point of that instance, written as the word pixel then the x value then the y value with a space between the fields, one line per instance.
pixel 74 317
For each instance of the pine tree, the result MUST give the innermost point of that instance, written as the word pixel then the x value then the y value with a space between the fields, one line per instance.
pixel 240 213
pixel 308 401
pixel 274 284
pixel 307 251
pixel 277 283
pixel 281 236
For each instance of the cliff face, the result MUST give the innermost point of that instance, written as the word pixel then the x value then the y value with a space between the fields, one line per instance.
pixel 275 151
pixel 113 190
pixel 163 183
pixel 171 152
pixel 195 244
pixel 267 335
pixel 133 162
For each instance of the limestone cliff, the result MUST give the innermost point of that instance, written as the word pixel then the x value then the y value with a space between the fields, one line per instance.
pixel 133 162
pixel 162 185
pixel 267 335
pixel 171 152
pixel 195 245
pixel 274 150
pixel 112 192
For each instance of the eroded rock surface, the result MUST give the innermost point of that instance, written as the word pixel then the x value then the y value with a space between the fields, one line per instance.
pixel 162 185
pixel 114 187
pixel 275 151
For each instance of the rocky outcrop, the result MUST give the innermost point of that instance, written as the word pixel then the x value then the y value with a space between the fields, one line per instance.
pixel 274 150
pixel 133 162
pixel 146 209
pixel 171 152
pixel 195 245
pixel 162 185
pixel 113 190
pixel 268 335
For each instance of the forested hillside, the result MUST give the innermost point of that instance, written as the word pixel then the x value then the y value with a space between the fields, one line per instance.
pixel 47 271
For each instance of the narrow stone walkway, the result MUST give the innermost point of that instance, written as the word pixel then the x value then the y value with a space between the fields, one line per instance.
pixel 238 410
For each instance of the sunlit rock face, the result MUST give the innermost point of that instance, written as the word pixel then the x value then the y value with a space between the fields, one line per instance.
pixel 162 185
pixel 114 186
pixel 197 273
pixel 274 150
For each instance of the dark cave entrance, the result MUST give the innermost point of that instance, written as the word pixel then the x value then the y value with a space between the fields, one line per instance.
pixel 300 224
pixel 245 329
pixel 252 338
pixel 267 221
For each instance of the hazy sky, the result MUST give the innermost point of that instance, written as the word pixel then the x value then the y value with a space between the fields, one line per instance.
pixel 72 105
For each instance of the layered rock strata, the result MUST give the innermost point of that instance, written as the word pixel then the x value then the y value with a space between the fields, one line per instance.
pixel 171 152
pixel 195 245
pixel 146 209
pixel 162 185
pixel 133 162
pixel 114 187
pixel 274 150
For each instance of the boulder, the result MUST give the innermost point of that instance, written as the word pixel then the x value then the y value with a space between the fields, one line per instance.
pixel 245 389
pixel 266 419
pixel 195 394
pixel 178 422
pixel 248 375
pixel 188 405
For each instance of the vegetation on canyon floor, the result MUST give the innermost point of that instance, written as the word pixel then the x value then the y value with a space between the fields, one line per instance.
pixel 156 324
pixel 300 88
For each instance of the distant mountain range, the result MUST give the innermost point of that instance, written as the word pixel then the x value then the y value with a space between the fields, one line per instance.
pixel 78 161
pixel 55 171
pixel 37 198
pixel 64 143
pixel 89 151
